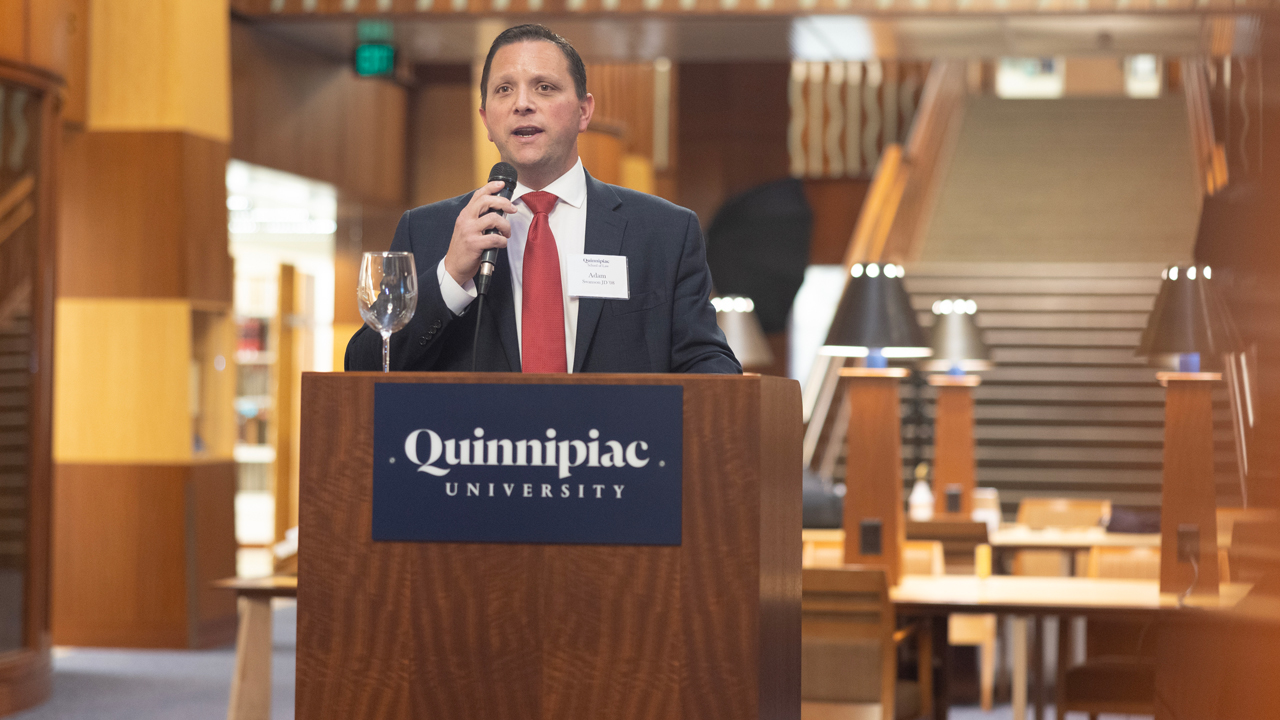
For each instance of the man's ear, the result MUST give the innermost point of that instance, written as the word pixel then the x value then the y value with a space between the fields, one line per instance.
pixel 587 105
pixel 485 119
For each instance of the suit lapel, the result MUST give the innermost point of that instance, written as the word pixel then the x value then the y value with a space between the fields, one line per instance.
pixel 502 304
pixel 605 228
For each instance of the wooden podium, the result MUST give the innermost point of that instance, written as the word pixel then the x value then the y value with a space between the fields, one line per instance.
pixel 705 630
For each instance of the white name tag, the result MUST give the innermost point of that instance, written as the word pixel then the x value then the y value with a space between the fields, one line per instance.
pixel 598 276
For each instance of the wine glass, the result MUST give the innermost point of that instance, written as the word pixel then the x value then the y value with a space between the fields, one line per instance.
pixel 387 294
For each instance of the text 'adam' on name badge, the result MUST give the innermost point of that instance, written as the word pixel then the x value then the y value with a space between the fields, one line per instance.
pixel 598 276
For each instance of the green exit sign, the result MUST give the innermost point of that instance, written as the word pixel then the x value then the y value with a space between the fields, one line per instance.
pixel 375 59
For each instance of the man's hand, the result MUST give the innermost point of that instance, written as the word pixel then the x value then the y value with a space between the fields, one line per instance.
pixel 462 262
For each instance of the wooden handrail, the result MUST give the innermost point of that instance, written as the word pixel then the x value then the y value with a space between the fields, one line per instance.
pixel 16 193
pixel 878 201
pixel 928 151
pixel 902 188
pixel 889 228
pixel 1210 154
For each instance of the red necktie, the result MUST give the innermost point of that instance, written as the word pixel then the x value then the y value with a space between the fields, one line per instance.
pixel 542 309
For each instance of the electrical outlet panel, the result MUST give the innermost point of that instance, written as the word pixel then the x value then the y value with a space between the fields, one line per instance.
pixel 869 537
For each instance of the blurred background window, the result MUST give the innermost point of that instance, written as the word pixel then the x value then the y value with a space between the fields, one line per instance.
pixel 1030 77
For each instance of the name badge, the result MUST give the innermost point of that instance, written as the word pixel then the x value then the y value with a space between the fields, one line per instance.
pixel 598 276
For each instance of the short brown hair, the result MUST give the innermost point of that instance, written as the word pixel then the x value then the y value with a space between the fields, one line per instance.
pixel 526 33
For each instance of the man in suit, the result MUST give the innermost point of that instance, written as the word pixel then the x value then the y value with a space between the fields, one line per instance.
pixel 534 104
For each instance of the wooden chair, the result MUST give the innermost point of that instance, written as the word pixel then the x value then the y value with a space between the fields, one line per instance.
pixel 823 548
pixel 922 557
pixel 925 557
pixel 849 649
pixel 959 538
pixel 1118 674
pixel 1041 513
pixel 1244 537
pixel 1130 563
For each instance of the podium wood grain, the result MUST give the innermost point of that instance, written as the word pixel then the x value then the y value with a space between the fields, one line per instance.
pixel 709 629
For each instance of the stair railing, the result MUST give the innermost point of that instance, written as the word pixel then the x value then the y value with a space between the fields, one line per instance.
pixel 1211 164
pixel 890 226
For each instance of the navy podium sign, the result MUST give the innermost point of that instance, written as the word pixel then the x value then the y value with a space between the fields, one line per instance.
pixel 593 464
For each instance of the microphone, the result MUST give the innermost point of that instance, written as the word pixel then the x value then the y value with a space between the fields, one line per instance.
pixel 489 258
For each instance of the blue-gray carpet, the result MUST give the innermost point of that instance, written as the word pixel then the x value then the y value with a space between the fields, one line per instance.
pixel 161 684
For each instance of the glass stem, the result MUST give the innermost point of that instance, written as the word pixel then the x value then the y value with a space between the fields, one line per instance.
pixel 386 353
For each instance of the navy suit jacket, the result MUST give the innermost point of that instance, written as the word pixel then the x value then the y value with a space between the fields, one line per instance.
pixel 666 326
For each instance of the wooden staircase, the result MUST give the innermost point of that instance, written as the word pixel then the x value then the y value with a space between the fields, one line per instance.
pixel 15 397
pixel 1068 410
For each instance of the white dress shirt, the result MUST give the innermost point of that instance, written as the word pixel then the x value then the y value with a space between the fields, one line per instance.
pixel 568 220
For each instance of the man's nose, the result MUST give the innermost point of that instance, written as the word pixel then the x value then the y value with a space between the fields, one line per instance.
pixel 524 101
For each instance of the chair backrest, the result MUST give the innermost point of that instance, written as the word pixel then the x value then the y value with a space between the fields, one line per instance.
pixel 922 557
pixel 850 601
pixel 959 538
pixel 1252 551
pixel 847 652
pixel 1063 512
pixel 1125 563
pixel 823 553
pixel 1228 517
pixel 1112 637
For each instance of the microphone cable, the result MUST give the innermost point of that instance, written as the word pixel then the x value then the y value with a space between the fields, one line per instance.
pixel 475 340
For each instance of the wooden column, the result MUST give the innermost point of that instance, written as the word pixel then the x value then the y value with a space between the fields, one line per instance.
pixel 144 480
pixel 873 468
pixel 953 462
pixel 1187 497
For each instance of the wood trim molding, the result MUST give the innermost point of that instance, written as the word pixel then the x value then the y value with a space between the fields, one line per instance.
pixel 38 78
pixel 26 677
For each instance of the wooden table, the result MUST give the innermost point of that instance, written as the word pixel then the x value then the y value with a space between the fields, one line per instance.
pixel 1010 538
pixel 936 597
pixel 251 683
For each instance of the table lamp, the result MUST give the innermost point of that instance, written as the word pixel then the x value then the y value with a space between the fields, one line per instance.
pixel 737 319
pixel 1188 327
pixel 875 320
pixel 958 349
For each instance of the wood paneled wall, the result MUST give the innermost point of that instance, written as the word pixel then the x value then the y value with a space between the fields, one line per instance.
pixel 732 131
pixel 624 99
pixel 36 33
pixel 159 64
pixel 144 488
pixel 547 10
pixel 297 111
pixel 151 207
pixel 440 134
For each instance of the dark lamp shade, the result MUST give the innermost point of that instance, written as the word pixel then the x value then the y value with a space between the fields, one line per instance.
pixel 742 329
pixel 957 342
pixel 1189 317
pixel 875 312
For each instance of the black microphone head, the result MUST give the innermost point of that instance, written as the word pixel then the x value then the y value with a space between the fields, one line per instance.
pixel 504 172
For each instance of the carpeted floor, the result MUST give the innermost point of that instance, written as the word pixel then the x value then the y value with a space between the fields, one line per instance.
pixel 161 684
pixel 194 685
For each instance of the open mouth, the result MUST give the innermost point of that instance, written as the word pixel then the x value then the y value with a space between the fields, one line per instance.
pixel 527 131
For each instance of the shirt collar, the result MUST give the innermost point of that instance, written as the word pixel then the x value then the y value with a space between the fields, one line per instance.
pixel 570 188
